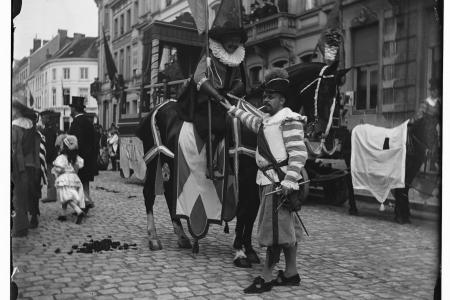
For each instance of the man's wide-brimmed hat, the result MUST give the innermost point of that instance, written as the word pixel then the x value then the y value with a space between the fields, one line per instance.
pixel 276 81
pixel 228 21
pixel 71 142
pixel 78 103
pixel 23 109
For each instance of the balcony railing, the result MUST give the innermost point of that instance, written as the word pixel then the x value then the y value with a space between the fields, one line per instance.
pixel 160 92
pixel 273 26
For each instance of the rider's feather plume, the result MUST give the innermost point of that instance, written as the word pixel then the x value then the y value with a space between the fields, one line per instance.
pixel 276 73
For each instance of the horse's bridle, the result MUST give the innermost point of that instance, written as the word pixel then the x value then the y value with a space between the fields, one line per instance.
pixel 316 116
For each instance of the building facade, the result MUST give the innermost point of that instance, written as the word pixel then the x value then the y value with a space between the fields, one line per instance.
pixel 393 48
pixel 19 78
pixel 66 72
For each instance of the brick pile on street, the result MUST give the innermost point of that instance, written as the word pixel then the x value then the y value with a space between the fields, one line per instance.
pixel 345 257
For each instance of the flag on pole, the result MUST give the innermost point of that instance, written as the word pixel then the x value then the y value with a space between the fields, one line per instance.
pixel 198 9
pixel 110 65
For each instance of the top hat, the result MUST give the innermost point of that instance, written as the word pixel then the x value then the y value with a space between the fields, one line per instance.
pixel 228 21
pixel 78 103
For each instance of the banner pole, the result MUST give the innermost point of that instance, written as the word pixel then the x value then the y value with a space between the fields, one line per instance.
pixel 208 65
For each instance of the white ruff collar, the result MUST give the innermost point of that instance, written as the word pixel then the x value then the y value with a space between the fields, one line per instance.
pixel 231 60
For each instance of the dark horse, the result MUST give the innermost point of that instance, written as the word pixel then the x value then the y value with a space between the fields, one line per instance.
pixel 169 125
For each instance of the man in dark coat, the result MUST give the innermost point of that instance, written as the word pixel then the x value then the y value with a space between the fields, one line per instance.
pixel 88 147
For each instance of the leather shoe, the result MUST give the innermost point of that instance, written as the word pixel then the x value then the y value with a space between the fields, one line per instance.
pixel 80 218
pixel 282 280
pixel 242 262
pixel 258 286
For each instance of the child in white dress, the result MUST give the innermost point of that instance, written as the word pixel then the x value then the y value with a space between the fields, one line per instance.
pixel 69 189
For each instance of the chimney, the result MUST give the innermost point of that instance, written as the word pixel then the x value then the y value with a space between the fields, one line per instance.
pixel 62 33
pixel 36 44
pixel 78 36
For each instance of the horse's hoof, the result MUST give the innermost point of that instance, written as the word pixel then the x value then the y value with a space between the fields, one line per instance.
pixel 353 212
pixel 154 245
pixel 184 243
pixel 252 257
pixel 242 262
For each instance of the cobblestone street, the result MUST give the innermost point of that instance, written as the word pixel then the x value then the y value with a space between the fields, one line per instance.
pixel 345 257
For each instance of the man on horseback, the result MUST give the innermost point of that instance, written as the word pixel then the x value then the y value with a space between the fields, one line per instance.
pixel 213 80
pixel 280 139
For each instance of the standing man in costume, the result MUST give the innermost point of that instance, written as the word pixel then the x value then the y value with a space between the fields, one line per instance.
pixel 88 148
pixel 281 134
pixel 26 168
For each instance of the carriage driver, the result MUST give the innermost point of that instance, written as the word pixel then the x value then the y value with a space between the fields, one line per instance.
pixel 278 227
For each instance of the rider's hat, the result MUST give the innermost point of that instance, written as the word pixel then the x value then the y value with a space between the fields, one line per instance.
pixel 228 22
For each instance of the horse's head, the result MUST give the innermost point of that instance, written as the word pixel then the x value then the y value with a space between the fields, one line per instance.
pixel 313 91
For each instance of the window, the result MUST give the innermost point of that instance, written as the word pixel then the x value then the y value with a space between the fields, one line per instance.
pixel 136 12
pixel 84 92
pixel 53 97
pixel 53 74
pixel 128 63
pixel 116 62
pixel 121 62
pixel 255 75
pixel 122 24
pixel 310 4
pixel 127 108
pixel 45 77
pixel 365 59
pixel 367 88
pixel 106 19
pixel 134 107
pixel 280 64
pixel 66 72
pixel 168 2
pixel 128 19
pixel 116 28
pixel 83 73
pixel 66 96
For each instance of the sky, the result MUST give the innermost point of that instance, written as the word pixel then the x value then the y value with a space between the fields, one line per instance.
pixel 43 18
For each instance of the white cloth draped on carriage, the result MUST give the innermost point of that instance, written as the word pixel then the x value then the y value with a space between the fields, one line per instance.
pixel 376 169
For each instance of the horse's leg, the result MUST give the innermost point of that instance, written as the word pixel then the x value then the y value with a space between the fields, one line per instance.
pixel 252 212
pixel 183 240
pixel 351 195
pixel 149 197
pixel 401 205
pixel 247 210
